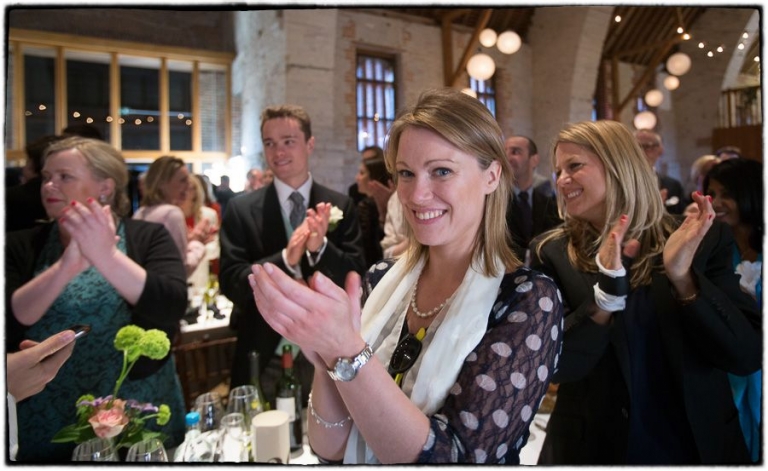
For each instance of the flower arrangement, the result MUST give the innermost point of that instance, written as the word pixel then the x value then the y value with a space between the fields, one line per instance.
pixel 336 216
pixel 110 417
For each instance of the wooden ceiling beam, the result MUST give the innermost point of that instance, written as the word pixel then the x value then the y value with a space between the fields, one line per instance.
pixel 647 75
pixel 473 41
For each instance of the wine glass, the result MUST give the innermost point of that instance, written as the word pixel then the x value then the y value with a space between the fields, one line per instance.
pixel 148 451
pixel 234 445
pixel 246 400
pixel 95 449
pixel 210 409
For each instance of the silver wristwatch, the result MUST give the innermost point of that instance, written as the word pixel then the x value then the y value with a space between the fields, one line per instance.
pixel 346 369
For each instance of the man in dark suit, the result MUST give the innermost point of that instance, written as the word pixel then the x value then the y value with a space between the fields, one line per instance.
pixel 286 224
pixel 671 189
pixel 533 206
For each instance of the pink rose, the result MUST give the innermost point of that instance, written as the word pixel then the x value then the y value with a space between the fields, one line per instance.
pixel 108 423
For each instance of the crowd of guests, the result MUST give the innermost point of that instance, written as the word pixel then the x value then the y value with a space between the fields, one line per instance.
pixel 451 288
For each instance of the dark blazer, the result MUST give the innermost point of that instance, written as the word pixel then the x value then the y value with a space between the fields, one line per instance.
pixel 545 216
pixel 161 304
pixel 718 333
pixel 253 232
pixel 674 190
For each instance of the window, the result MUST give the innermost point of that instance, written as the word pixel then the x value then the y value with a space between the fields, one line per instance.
pixel 375 99
pixel 486 93
pixel 145 102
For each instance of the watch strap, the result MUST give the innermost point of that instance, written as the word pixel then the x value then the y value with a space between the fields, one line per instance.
pixel 357 362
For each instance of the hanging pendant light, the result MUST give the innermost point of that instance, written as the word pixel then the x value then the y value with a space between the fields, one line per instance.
pixel 481 66
pixel 488 37
pixel 654 98
pixel 671 82
pixel 645 120
pixel 679 63
pixel 509 42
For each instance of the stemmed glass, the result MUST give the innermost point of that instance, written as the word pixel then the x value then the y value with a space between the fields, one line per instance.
pixel 246 400
pixel 150 450
pixel 210 409
pixel 95 449
pixel 235 442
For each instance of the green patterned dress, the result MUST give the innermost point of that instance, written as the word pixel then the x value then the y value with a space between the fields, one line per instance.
pixel 94 365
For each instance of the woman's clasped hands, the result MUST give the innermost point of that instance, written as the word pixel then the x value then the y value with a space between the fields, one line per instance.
pixel 322 318
pixel 91 227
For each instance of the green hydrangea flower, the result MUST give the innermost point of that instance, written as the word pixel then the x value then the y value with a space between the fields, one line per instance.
pixel 163 414
pixel 155 344
pixel 128 337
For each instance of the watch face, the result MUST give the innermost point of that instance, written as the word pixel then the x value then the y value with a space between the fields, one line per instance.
pixel 345 370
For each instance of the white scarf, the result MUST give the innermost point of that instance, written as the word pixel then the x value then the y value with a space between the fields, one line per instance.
pixel 451 337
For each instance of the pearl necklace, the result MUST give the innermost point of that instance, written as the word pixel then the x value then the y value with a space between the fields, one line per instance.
pixel 425 315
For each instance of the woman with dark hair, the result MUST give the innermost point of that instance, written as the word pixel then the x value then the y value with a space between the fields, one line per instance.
pixel 371 216
pixel 655 318
pixel 91 265
pixel 736 189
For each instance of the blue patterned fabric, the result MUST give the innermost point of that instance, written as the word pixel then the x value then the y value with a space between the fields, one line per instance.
pixel 94 365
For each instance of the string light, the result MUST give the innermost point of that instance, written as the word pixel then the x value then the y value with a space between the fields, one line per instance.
pixel 745 35
pixel 701 45
pixel 617 19
pixel 686 36
pixel 710 54
pixel 680 30
pixel 76 114
pixel 741 46
pixel 719 48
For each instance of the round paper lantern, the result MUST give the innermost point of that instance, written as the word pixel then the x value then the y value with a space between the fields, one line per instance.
pixel 488 37
pixel 654 97
pixel 645 120
pixel 509 42
pixel 678 63
pixel 671 82
pixel 481 66
pixel 469 92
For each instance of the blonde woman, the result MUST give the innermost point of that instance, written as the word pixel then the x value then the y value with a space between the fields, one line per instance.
pixel 165 189
pixel 91 265
pixel 655 316
pixel 195 213
pixel 457 340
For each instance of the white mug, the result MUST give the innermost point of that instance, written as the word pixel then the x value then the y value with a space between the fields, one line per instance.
pixel 270 439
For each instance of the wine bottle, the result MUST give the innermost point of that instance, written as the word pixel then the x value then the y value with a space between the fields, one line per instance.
pixel 288 399
pixel 258 403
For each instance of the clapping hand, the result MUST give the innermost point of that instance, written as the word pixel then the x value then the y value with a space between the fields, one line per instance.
pixel 317 221
pixel 92 229
pixel 203 231
pixel 683 243
pixel 614 246
pixel 321 318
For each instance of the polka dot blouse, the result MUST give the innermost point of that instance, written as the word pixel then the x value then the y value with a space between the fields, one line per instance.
pixel 488 411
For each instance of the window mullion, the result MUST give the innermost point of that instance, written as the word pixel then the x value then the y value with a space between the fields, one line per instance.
pixel 114 102
pixel 60 94
pixel 165 123
pixel 197 136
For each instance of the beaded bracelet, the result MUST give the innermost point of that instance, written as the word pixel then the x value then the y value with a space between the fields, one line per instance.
pixel 320 421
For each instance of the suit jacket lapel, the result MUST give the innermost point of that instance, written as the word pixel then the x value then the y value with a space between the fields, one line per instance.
pixel 273 231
